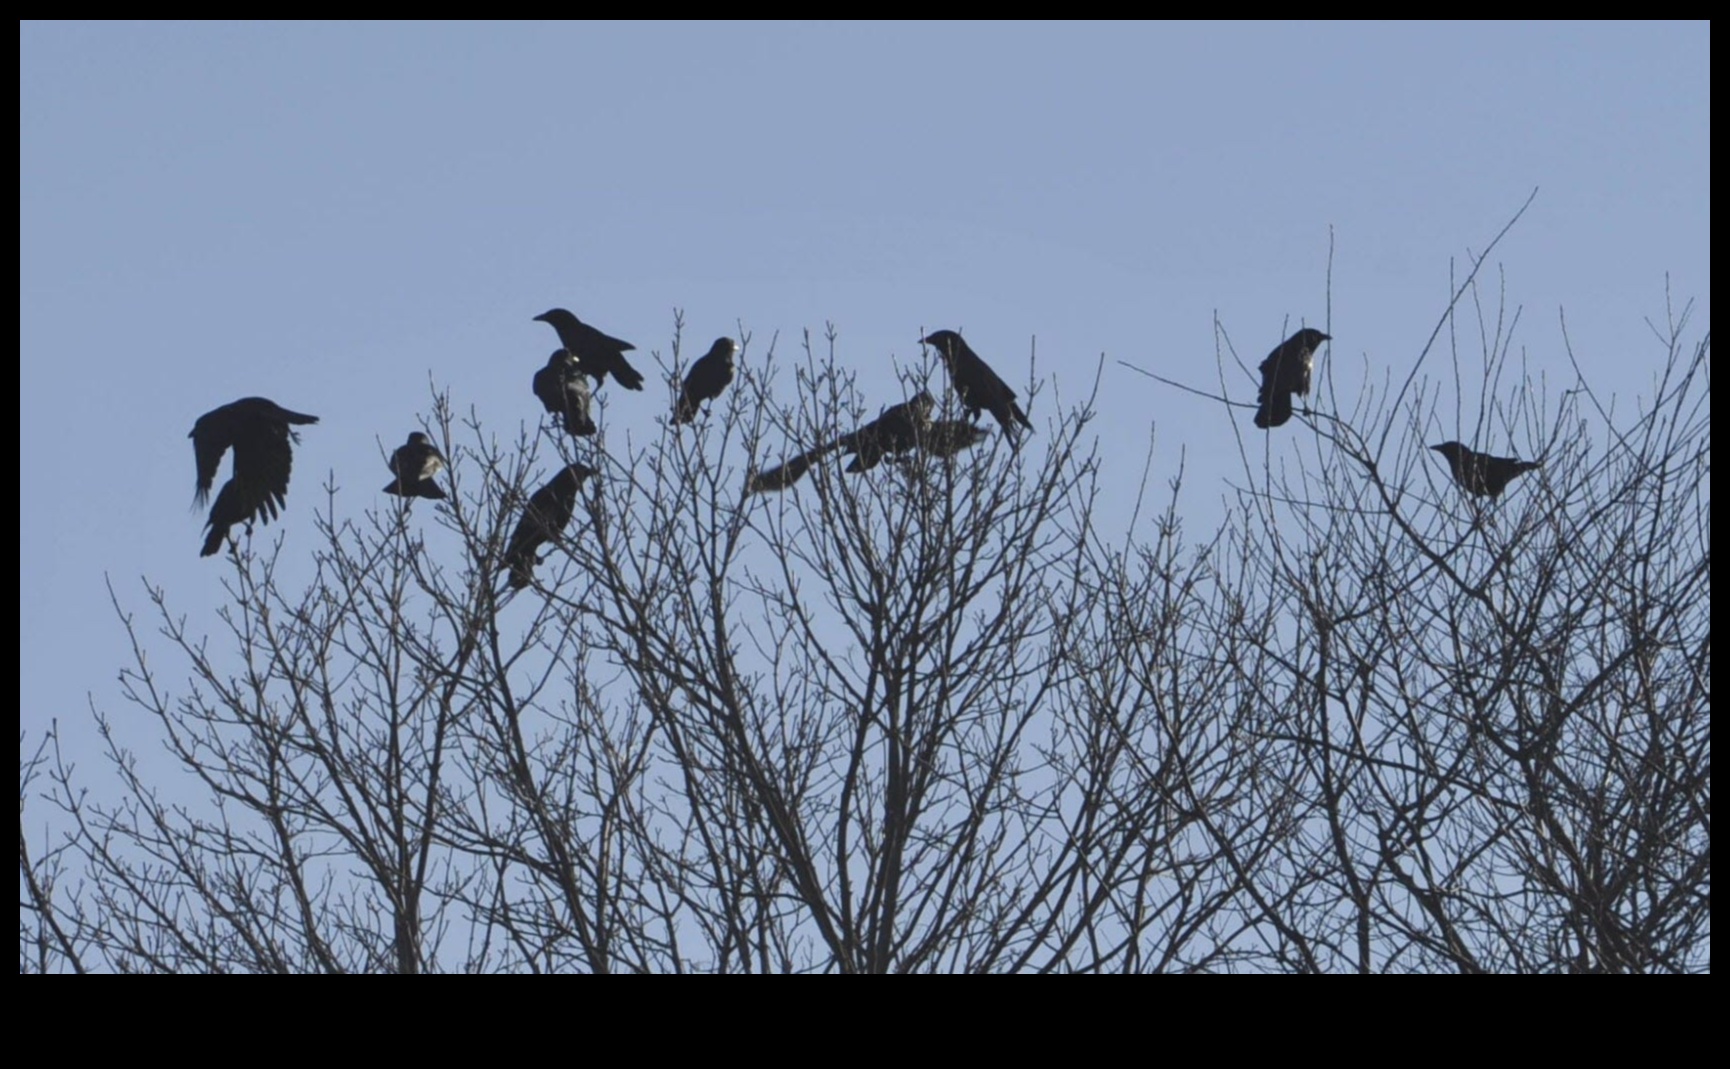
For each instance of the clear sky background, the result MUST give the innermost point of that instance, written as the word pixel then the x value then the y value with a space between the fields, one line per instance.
pixel 332 216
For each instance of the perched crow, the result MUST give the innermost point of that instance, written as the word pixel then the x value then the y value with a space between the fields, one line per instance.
pixel 596 353
pixel 415 463
pixel 565 393
pixel 977 385
pixel 258 432
pixel 706 379
pixel 898 429
pixel 1286 371
pixel 1480 474
pixel 548 511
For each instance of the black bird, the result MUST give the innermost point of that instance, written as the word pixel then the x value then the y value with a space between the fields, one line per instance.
pixel 977 385
pixel 564 392
pixel 596 353
pixel 258 432
pixel 1481 474
pixel 548 512
pixel 415 463
pixel 706 379
pixel 1287 371
pixel 898 429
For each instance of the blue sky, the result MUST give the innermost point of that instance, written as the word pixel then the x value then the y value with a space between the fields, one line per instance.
pixel 334 215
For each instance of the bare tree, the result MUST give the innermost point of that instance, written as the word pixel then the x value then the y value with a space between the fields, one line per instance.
pixel 931 717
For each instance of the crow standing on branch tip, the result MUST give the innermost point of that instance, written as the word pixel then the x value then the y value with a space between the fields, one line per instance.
pixel 1287 371
pixel 564 391
pixel 1480 474
pixel 257 489
pixel 977 385
pixel 706 379
pixel 415 463
pixel 548 512
pixel 596 353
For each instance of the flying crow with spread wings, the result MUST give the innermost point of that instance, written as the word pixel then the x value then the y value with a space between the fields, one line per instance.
pixel 564 391
pixel 1287 371
pixel 548 512
pixel 706 379
pixel 415 463
pixel 977 385
pixel 257 489
pixel 1481 474
pixel 597 354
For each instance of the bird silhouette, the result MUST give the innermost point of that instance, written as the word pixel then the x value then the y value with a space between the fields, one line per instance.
pixel 548 512
pixel 1480 474
pixel 564 391
pixel 597 354
pixel 977 385
pixel 1286 371
pixel 706 379
pixel 415 463
pixel 897 430
pixel 258 431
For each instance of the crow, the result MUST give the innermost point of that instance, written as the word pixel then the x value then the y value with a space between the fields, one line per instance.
pixel 564 392
pixel 415 463
pixel 977 385
pixel 707 378
pixel 898 429
pixel 1481 474
pixel 1286 371
pixel 596 353
pixel 258 431
pixel 548 512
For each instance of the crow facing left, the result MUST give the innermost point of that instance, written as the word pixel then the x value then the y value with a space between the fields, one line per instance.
pixel 597 354
pixel 979 387
pixel 1481 474
pixel 258 431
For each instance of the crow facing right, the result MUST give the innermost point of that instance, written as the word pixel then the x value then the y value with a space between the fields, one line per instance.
pixel 258 431
pixel 548 512
pixel 1287 371
pixel 1481 474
